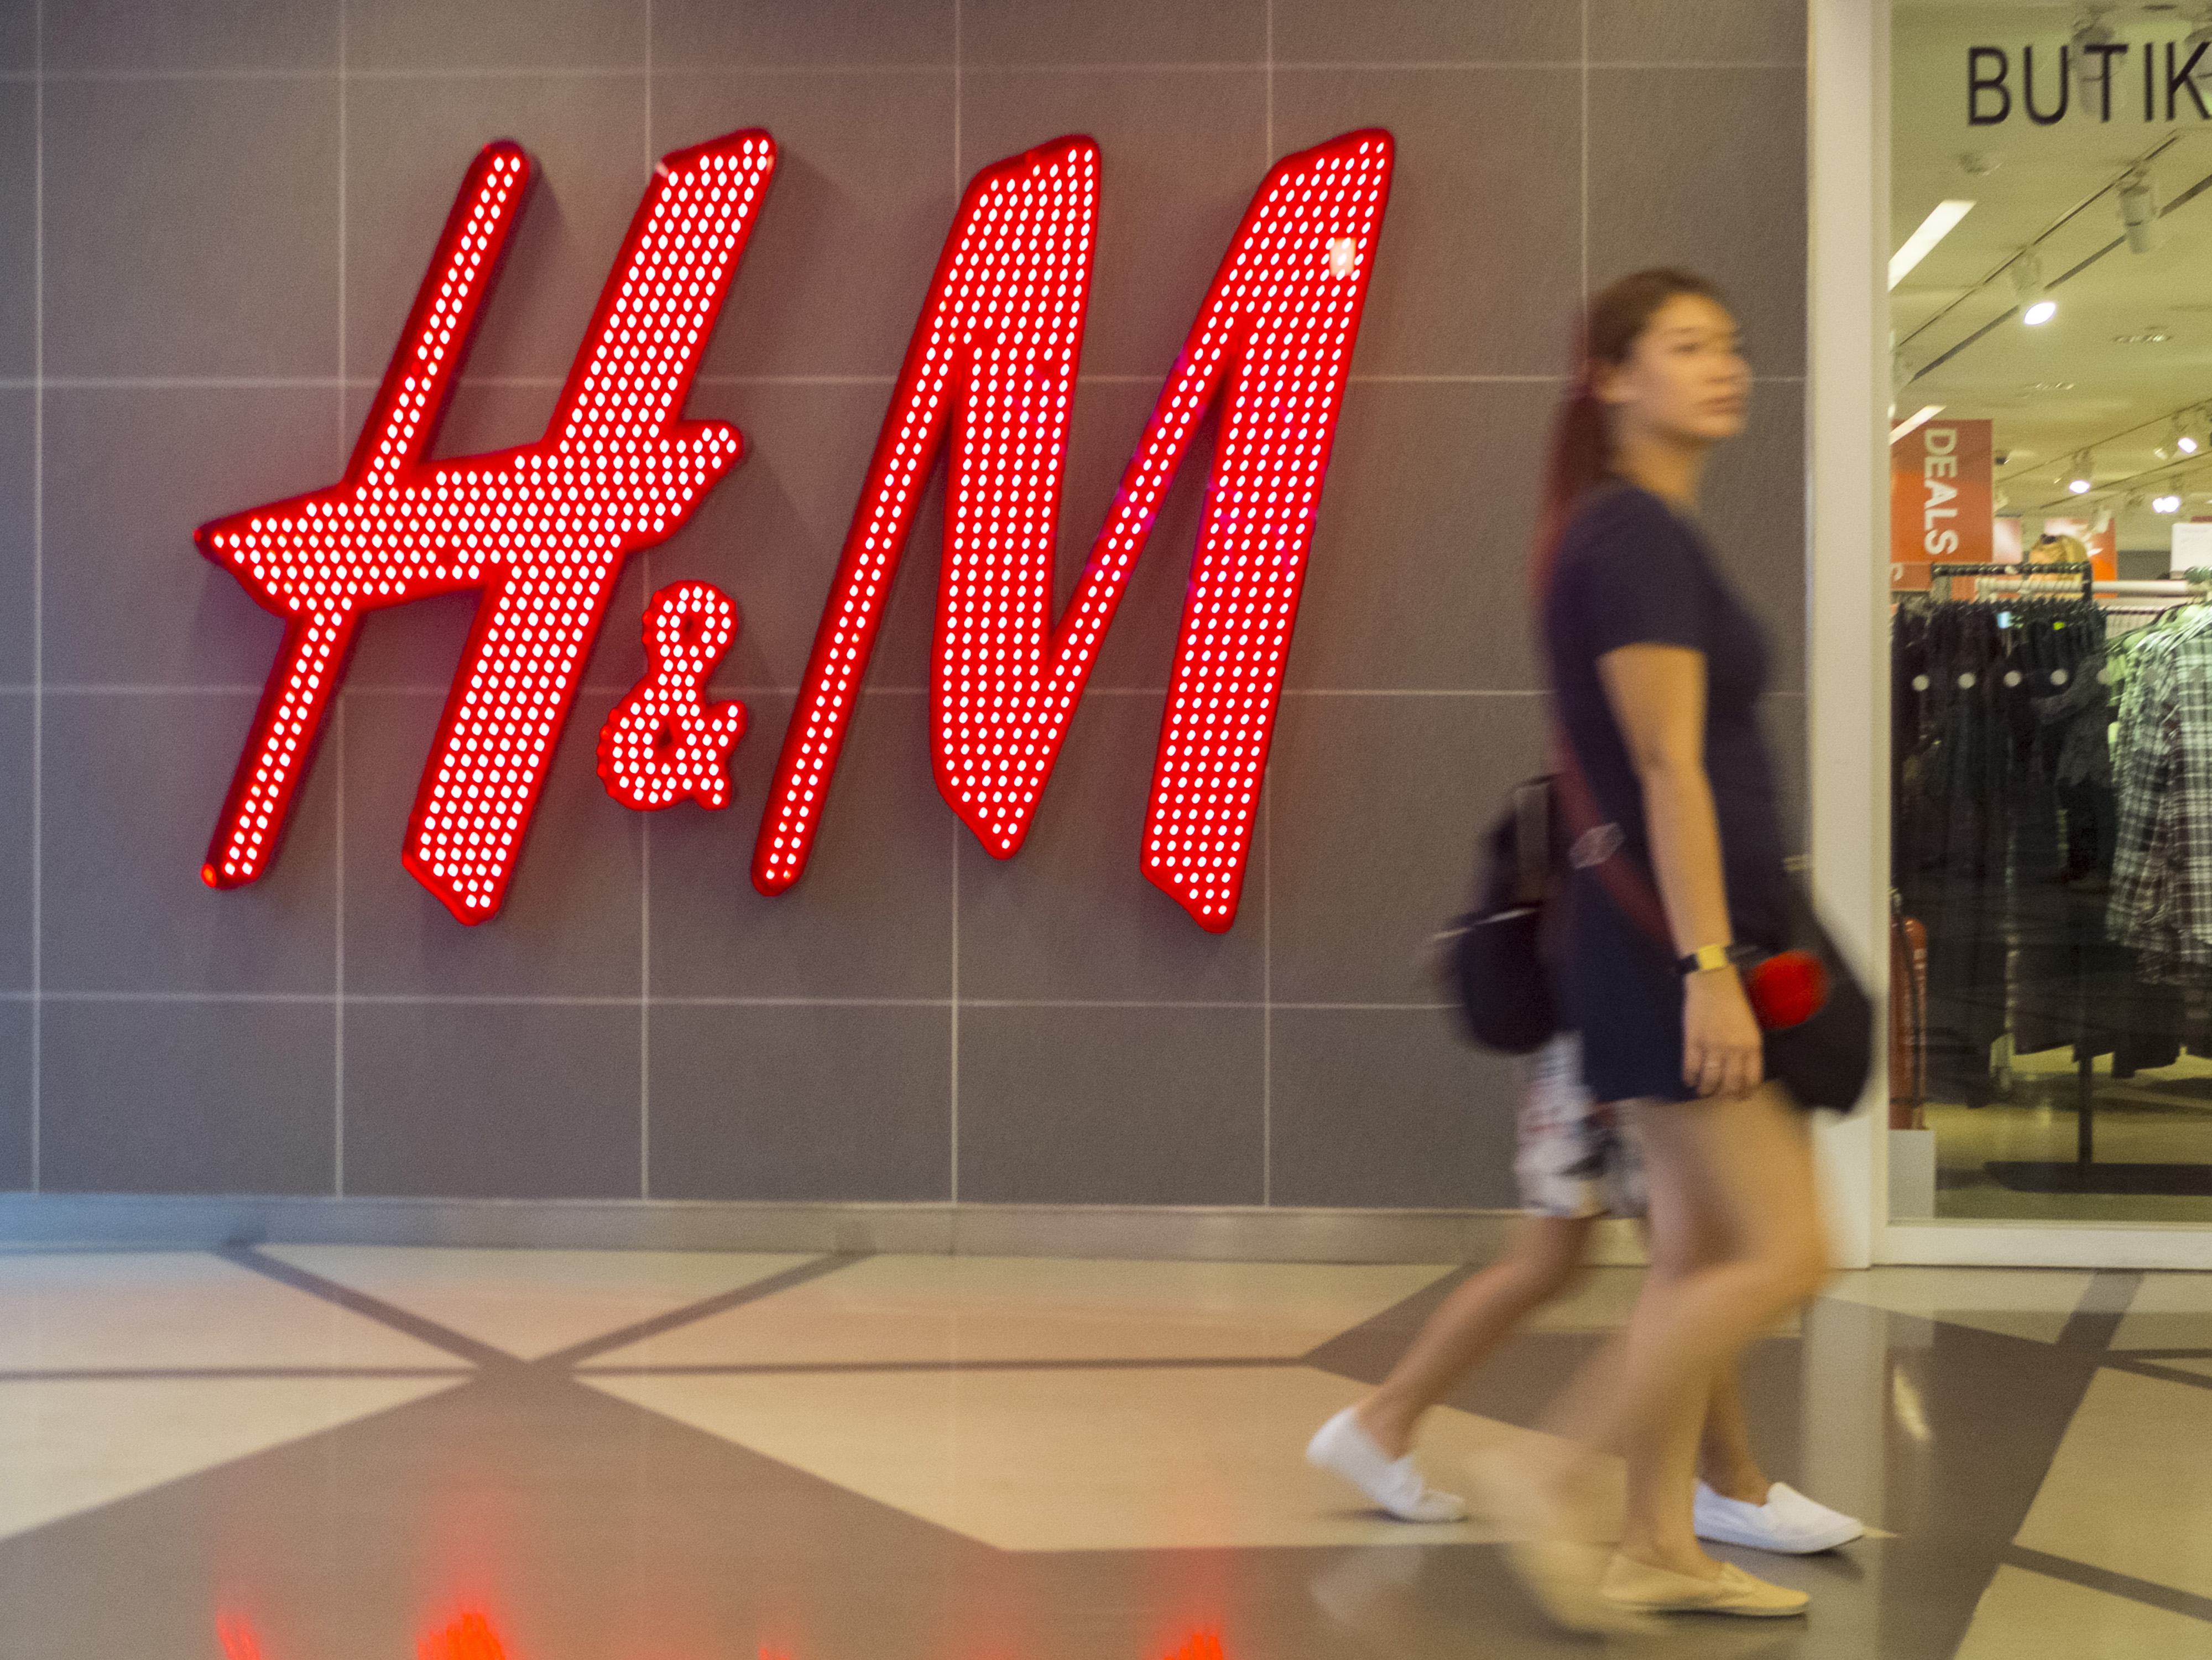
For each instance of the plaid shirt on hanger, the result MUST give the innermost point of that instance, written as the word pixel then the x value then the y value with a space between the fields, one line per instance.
pixel 2161 902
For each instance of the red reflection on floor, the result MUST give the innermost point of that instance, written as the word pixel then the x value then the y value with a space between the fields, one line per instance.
pixel 469 1638
pixel 472 1638
pixel 236 1638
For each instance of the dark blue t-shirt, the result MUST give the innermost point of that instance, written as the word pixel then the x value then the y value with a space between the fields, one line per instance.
pixel 1630 571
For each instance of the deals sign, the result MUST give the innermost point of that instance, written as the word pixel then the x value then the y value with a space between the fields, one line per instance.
pixel 542 531
pixel 1941 505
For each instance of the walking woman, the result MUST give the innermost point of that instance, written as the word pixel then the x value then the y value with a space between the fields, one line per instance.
pixel 1657 668
pixel 1577 1163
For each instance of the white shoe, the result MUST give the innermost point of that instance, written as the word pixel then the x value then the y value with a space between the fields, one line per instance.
pixel 1341 1447
pixel 1788 1523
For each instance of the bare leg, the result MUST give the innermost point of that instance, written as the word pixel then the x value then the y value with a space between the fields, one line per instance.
pixel 1736 1243
pixel 1546 1256
pixel 1725 1460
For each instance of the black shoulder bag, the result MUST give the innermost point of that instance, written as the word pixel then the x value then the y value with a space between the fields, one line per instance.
pixel 1493 955
pixel 1815 1011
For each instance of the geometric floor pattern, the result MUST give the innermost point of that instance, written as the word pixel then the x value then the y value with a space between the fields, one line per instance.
pixel 335 1453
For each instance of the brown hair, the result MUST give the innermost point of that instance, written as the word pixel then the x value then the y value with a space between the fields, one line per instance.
pixel 1581 456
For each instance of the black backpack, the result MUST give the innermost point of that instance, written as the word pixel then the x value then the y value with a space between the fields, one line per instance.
pixel 1493 956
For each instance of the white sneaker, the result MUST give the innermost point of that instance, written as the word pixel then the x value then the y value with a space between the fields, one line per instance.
pixel 1343 1448
pixel 1788 1524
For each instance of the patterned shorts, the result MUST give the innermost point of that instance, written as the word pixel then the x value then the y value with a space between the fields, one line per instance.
pixel 1577 1158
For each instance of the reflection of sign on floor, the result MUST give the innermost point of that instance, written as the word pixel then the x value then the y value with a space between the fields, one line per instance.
pixel 472 1638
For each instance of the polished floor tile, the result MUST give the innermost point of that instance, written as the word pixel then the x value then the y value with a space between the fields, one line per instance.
pixel 179 1311
pixel 967 1309
pixel 352 1454
pixel 1184 1458
pixel 2170 1311
pixel 68 1446
pixel 2130 1489
pixel 1601 1302
pixel 2027 1303
pixel 531 1303
pixel 2028 1616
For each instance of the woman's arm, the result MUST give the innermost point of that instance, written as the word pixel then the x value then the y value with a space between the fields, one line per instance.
pixel 1657 694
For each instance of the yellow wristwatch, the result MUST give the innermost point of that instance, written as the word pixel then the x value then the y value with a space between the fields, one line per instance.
pixel 1706 959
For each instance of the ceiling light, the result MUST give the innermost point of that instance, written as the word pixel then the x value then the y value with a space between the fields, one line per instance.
pixel 2080 477
pixel 1933 229
pixel 1914 422
pixel 2036 307
pixel 2091 67
pixel 2138 212
pixel 2166 504
pixel 2184 440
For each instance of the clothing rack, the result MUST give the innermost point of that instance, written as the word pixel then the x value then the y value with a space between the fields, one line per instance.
pixel 2076 1176
pixel 2084 1174
pixel 2017 573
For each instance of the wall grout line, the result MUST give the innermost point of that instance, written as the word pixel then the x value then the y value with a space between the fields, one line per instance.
pixel 959 91
pixel 624 999
pixel 798 71
pixel 1267 160
pixel 1268 980
pixel 338 1001
pixel 38 586
pixel 645 825
pixel 1585 151
pixel 546 382
pixel 241 689
pixel 955 1104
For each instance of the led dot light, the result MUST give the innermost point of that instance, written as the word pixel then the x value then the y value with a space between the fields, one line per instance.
pixel 543 530
pixel 992 363
pixel 662 743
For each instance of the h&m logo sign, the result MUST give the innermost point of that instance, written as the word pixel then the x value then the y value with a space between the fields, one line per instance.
pixel 989 378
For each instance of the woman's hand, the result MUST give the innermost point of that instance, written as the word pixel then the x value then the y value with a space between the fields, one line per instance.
pixel 1723 1052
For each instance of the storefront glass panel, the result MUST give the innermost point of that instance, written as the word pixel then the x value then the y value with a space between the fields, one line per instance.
pixel 2051 746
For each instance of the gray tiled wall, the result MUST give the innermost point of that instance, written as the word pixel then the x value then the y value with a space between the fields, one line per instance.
pixel 213 213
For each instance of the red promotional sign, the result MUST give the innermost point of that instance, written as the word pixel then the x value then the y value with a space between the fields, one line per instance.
pixel 1941 496
pixel 544 530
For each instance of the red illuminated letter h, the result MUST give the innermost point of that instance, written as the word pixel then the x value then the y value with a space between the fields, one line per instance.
pixel 542 530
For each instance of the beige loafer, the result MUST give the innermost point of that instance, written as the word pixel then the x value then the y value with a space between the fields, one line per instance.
pixel 1639 1587
pixel 1562 1575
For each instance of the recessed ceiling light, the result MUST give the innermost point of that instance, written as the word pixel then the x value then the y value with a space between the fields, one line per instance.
pixel 2036 307
pixel 2148 338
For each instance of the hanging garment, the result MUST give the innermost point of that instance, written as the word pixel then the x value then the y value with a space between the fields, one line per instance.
pixel 2161 899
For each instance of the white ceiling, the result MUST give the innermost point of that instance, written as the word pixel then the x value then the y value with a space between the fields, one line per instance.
pixel 2071 384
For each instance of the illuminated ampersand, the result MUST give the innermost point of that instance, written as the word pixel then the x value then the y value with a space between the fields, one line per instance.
pixel 663 743
pixel 543 530
pixel 993 365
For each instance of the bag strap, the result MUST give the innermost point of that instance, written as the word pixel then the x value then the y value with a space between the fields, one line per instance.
pixel 1599 845
pixel 1532 843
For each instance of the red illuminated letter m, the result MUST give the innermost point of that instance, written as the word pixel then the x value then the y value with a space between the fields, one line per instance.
pixel 992 366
